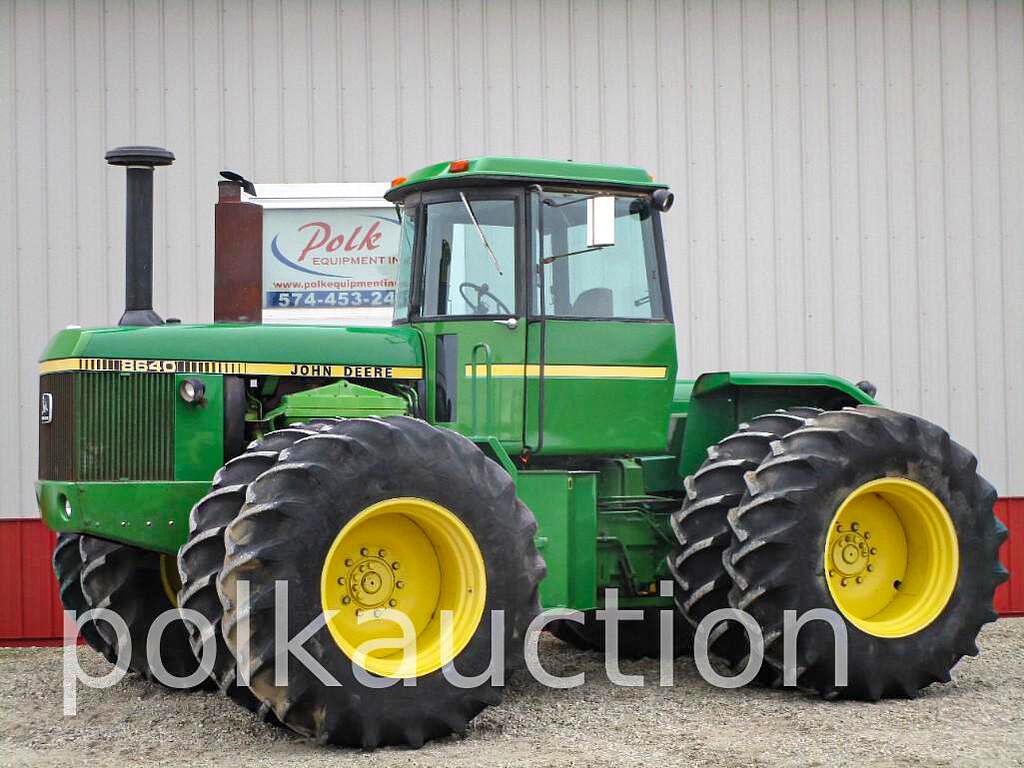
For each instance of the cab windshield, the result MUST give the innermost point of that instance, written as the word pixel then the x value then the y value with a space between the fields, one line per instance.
pixel 618 281
pixel 469 265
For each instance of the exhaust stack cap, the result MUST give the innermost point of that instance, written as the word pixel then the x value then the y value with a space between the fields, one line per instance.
pixel 139 162
pixel 150 156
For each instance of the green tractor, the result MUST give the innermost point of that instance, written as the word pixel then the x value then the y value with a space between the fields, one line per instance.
pixel 516 440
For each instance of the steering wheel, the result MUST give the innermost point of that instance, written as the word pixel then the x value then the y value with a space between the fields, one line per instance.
pixel 478 306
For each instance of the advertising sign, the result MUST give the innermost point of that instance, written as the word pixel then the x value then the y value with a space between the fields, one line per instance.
pixel 330 253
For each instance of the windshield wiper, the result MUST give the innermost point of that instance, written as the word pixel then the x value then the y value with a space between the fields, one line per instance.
pixel 483 238
pixel 549 259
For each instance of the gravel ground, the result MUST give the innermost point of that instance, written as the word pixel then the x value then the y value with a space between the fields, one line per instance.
pixel 976 720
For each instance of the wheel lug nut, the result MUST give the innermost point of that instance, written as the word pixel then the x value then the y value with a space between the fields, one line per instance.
pixel 395 565
pixel 867 534
pixel 860 579
pixel 376 613
pixel 839 527
pixel 844 582
pixel 341 579
pixel 399 584
pixel 382 553
pixel 874 551
pixel 831 573
pixel 348 561
pixel 870 568
pixel 364 551
pixel 855 526
pixel 392 603
pixel 346 600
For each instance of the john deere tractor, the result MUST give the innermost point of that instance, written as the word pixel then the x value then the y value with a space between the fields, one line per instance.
pixel 516 440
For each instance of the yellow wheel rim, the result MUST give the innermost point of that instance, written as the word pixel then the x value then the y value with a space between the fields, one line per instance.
pixel 169 578
pixel 390 577
pixel 891 557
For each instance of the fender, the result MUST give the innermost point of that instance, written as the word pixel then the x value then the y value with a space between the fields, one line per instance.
pixel 719 402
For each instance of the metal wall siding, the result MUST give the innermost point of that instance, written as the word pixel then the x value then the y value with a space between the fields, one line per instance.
pixel 850 175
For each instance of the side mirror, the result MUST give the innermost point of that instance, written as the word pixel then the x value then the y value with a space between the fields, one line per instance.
pixel 662 199
pixel 600 221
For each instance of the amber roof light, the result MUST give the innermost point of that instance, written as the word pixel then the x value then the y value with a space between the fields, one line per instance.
pixel 458 166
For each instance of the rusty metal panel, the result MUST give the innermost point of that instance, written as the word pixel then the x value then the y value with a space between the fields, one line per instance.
pixel 238 258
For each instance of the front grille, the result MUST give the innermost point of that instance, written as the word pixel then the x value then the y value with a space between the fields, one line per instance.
pixel 108 426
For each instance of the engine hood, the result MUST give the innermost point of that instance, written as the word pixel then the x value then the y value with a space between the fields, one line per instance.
pixel 280 350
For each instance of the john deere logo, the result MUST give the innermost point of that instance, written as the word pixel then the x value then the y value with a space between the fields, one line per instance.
pixel 45 408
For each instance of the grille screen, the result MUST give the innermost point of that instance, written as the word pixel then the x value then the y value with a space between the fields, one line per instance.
pixel 56 443
pixel 108 426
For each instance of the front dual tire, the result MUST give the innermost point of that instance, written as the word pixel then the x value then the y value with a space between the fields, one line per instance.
pixel 139 586
pixel 344 517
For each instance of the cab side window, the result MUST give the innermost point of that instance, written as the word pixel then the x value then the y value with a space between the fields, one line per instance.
pixel 620 281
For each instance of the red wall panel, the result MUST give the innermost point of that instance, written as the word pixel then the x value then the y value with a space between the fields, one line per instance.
pixel 1009 600
pixel 30 612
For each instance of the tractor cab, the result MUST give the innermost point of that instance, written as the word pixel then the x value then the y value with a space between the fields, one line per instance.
pixel 541 294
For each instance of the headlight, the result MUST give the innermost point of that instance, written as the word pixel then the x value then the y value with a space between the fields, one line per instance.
pixel 67 508
pixel 192 391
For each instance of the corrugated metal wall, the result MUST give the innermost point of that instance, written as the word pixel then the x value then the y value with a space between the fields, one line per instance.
pixel 850 176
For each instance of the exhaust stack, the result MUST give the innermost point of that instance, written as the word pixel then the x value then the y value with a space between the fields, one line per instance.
pixel 139 163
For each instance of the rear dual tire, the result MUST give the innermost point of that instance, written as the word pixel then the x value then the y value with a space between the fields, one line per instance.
pixel 703 534
pixel 914 597
pixel 787 549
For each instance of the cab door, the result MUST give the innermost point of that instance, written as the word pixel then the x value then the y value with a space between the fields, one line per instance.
pixel 601 344
pixel 469 307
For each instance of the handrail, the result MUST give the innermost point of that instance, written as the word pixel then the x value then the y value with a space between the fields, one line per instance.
pixel 488 364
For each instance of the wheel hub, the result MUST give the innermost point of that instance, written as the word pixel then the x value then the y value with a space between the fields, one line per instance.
pixel 371 582
pixel 851 554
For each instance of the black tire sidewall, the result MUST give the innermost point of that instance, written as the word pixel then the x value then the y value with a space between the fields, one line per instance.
pixel 933 649
pixel 321 484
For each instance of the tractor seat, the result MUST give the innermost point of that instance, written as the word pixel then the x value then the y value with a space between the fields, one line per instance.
pixel 594 302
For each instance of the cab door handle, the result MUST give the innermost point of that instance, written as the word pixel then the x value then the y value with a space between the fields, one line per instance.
pixel 511 323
